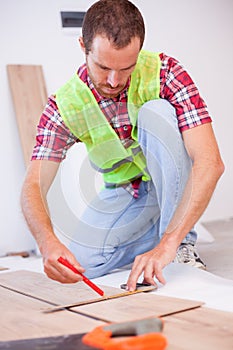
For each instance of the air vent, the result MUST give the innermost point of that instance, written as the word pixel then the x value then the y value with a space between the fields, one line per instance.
pixel 72 19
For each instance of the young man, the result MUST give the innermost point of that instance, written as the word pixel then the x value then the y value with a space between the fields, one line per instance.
pixel 148 131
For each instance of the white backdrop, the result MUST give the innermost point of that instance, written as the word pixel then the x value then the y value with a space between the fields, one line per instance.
pixel 197 32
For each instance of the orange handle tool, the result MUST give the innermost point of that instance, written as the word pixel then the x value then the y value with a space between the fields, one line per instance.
pixel 85 279
pixel 145 335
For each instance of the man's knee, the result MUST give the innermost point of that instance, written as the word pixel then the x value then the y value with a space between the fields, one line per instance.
pixel 157 119
pixel 156 112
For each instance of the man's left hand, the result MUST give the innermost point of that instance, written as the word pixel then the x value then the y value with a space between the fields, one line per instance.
pixel 151 265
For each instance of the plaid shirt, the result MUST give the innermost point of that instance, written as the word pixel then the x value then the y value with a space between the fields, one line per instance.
pixel 54 139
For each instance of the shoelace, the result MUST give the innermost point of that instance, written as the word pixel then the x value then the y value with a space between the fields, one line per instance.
pixel 186 252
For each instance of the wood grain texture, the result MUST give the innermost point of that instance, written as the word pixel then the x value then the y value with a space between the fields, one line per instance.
pixel 137 306
pixel 22 318
pixel 39 286
pixel 29 96
pixel 130 307
pixel 105 297
pixel 202 329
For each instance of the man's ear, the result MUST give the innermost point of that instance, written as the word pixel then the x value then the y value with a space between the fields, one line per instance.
pixel 81 43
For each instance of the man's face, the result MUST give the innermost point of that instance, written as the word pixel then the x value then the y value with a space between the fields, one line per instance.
pixel 109 68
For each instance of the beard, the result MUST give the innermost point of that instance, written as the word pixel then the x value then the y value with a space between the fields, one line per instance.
pixel 105 90
pixel 108 91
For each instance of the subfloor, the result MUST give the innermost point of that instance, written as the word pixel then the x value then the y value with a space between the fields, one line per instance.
pixel 218 254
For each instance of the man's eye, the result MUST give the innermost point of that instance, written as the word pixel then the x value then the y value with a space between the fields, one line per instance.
pixel 130 68
pixel 103 68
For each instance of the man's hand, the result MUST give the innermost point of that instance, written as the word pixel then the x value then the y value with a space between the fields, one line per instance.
pixel 151 264
pixel 56 270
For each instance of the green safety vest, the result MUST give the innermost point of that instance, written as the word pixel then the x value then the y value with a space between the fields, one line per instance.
pixel 84 118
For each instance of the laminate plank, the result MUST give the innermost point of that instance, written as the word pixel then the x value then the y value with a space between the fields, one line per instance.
pixel 130 307
pixel 202 329
pixel 22 318
pixel 39 286
pixel 29 95
pixel 137 306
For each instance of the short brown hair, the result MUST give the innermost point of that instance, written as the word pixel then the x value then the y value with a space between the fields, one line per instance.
pixel 118 20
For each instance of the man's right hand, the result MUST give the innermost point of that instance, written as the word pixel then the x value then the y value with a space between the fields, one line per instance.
pixel 55 270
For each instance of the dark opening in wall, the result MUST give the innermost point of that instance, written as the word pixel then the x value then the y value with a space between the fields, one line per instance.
pixel 72 19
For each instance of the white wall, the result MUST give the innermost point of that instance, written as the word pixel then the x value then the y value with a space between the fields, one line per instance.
pixel 197 32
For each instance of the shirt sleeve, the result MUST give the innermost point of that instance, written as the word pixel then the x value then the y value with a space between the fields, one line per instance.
pixel 53 138
pixel 179 89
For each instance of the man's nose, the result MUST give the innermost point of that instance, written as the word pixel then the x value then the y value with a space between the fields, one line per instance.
pixel 113 79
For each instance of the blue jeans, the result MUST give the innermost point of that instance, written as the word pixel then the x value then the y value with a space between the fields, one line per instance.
pixel 116 227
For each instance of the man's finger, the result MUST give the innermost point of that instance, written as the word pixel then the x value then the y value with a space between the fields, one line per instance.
pixel 152 271
pixel 160 277
pixel 60 273
pixel 133 277
pixel 149 274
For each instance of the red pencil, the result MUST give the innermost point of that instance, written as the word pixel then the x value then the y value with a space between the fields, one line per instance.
pixel 85 279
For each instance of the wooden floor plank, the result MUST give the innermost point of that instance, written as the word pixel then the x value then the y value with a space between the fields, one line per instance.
pixel 136 307
pixel 115 310
pixel 38 285
pixel 202 329
pixel 22 318
pixel 29 97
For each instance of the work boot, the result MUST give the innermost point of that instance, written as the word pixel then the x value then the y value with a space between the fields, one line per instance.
pixel 187 254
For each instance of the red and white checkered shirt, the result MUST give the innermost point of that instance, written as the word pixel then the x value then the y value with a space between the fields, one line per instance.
pixel 54 139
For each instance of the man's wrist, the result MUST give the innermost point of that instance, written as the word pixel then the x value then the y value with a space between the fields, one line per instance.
pixel 170 240
pixel 47 241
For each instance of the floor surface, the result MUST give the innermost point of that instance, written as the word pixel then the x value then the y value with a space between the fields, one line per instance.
pixel 215 242
pixel 218 254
